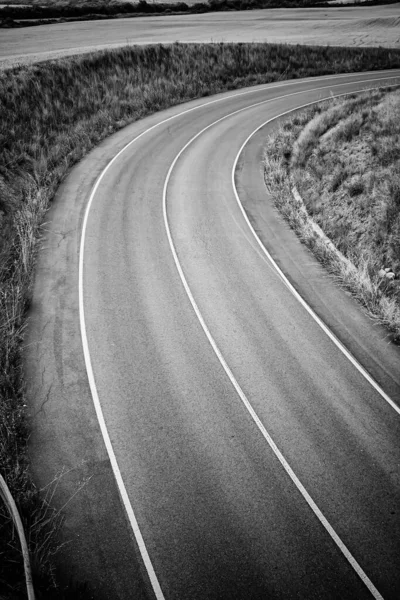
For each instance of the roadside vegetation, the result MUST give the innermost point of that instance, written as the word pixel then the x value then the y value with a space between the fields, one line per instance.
pixel 52 114
pixel 343 157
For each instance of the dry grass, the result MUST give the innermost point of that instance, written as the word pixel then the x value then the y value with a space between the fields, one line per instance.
pixel 344 158
pixel 52 115
pixel 357 202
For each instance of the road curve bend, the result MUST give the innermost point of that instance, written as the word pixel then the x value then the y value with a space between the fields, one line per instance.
pixel 253 459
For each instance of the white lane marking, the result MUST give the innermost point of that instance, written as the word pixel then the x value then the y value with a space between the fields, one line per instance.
pixel 286 281
pixel 340 544
pixel 103 427
pixel 88 363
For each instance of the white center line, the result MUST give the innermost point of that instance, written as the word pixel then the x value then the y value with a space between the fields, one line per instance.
pixel 286 281
pixel 340 544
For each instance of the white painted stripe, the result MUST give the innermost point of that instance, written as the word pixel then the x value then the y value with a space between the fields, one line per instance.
pixel 340 544
pixel 88 363
pixel 295 293
pixel 100 417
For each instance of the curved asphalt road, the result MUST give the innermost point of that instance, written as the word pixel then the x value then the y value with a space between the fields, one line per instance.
pixel 220 517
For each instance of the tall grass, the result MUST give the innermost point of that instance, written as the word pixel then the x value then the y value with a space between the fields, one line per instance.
pixel 52 114
pixel 343 156
pixel 356 200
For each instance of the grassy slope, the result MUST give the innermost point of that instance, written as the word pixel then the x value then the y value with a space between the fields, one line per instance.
pixel 352 183
pixel 344 158
pixel 52 115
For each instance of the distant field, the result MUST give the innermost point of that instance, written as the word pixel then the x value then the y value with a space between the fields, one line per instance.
pixel 361 26
pixel 25 3
pixel 53 2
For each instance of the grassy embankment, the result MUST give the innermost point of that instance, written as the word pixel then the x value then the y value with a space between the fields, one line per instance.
pixel 52 115
pixel 344 158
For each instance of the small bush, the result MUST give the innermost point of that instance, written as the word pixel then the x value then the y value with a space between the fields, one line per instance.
pixel 339 175
pixel 356 187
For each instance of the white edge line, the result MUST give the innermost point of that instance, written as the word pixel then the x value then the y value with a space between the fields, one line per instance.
pixel 100 417
pixel 286 281
pixel 88 363
pixel 342 547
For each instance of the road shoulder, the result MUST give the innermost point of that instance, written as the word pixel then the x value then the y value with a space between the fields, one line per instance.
pixel 66 448
pixel 364 338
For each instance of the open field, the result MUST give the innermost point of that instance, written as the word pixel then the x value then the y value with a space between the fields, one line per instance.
pixel 46 3
pixel 344 159
pixel 52 115
pixel 24 3
pixel 356 26
pixel 93 3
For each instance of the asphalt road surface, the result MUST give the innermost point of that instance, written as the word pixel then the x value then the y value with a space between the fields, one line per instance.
pixel 178 371
pixel 348 26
